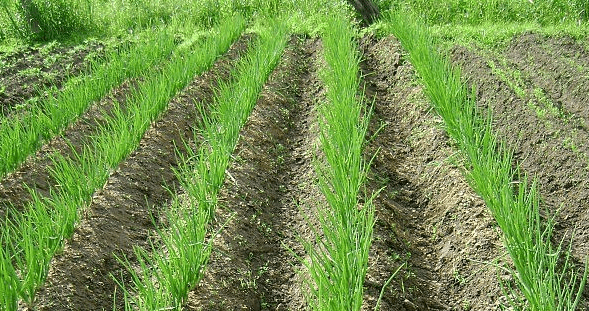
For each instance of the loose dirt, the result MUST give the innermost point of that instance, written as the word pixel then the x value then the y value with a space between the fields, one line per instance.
pixel 428 218
pixel 119 216
pixel 271 178
pixel 34 174
pixel 551 148
pixel 23 75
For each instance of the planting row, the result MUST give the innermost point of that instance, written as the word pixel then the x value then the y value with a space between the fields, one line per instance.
pixel 22 134
pixel 541 118
pixel 33 234
pixel 22 76
pixel 32 237
pixel 170 271
pixel 542 274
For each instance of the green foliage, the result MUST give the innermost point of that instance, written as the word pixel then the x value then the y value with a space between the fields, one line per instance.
pixel 177 265
pixel 493 23
pixel 514 202
pixel 338 254
pixel 119 15
pixel 43 20
pixel 46 20
pixel 496 36
pixel 9 286
pixel 34 236
pixel 21 136
pixel 544 12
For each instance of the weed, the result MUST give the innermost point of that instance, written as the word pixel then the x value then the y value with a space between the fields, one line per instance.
pixel 458 277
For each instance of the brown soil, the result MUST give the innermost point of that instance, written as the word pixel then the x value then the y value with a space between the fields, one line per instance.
pixel 30 71
pixel 544 66
pixel 119 216
pixel 430 225
pixel 568 47
pixel 427 215
pixel 270 180
pixel 34 173
pixel 552 149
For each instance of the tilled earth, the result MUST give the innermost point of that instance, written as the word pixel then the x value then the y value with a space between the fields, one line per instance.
pixel 549 134
pixel 24 74
pixel 431 228
pixel 34 174
pixel 120 215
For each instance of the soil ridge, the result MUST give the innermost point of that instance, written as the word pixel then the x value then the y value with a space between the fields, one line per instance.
pixel 428 217
pixel 35 70
pixel 34 173
pixel 540 149
pixel 120 215
pixel 251 267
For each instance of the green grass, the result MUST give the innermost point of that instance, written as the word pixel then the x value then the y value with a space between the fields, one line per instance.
pixel 40 20
pixel 493 23
pixel 338 253
pixel 543 12
pixel 8 285
pixel 175 267
pixel 107 18
pixel 45 20
pixel 544 275
pixel 497 36
pixel 33 237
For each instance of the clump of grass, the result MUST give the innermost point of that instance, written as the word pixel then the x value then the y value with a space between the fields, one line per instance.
pixel 47 20
pixel 543 281
pixel 42 20
pixel 493 23
pixel 33 237
pixel 9 287
pixel 544 12
pixel 338 254
pixel 176 266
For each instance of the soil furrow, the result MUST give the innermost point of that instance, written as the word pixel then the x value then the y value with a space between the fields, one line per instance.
pixel 272 176
pixel 119 216
pixel 35 70
pixel 540 148
pixel 427 215
pixel 34 173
